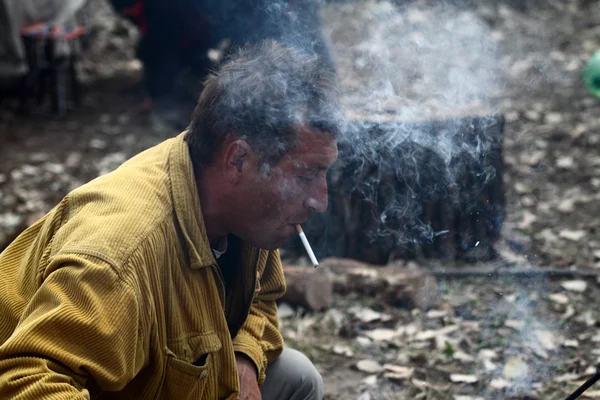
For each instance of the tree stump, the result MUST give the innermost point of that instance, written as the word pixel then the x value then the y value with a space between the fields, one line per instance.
pixel 413 190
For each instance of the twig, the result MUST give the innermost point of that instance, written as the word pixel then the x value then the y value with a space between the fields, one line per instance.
pixel 488 272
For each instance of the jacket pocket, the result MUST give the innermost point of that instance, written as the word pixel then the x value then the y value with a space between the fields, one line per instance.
pixel 188 367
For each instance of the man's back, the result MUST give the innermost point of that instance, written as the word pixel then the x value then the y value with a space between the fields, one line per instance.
pixel 115 290
pixel 102 219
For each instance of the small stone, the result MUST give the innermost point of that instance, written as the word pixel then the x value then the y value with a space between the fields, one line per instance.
pixel 342 350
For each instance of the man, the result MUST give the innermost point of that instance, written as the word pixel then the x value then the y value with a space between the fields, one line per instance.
pixel 116 293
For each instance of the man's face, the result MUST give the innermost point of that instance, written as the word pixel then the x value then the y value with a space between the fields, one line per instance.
pixel 281 198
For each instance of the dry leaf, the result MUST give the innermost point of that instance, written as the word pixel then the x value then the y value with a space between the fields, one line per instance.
pixel 559 298
pixel 572 235
pixel 546 338
pixel 432 314
pixel 499 383
pixel 462 378
pixel 571 343
pixel 462 397
pixel 515 368
pixel 342 350
pixel 426 335
pixel 397 372
pixel 370 380
pixel 578 285
pixel 382 334
pixel 369 366
pixel 514 324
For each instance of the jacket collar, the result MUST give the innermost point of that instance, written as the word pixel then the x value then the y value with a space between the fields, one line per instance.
pixel 187 204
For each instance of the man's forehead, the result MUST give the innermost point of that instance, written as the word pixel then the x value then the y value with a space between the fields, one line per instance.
pixel 315 147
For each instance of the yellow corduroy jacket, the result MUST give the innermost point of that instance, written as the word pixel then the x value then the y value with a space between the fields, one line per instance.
pixel 115 294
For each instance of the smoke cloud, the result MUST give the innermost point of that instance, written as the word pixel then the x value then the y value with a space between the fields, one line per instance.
pixel 397 65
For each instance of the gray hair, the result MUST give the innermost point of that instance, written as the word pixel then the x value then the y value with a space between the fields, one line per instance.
pixel 263 94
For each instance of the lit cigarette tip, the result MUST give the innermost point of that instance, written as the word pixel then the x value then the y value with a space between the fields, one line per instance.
pixel 311 255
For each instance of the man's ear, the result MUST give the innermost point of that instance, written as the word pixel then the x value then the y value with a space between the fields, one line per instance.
pixel 235 158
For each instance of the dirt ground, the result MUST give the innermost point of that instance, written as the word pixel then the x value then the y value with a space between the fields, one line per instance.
pixel 483 338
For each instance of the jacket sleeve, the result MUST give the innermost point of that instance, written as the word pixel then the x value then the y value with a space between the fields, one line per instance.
pixel 82 323
pixel 259 338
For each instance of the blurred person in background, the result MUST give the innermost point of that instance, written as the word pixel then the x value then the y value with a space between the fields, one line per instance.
pixel 176 36
pixel 18 14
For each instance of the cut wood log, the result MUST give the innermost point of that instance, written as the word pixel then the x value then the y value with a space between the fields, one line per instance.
pixel 308 287
pixel 390 284
pixel 312 288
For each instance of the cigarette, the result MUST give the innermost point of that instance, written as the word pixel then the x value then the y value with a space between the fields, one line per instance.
pixel 311 255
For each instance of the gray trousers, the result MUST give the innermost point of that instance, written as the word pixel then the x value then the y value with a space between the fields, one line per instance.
pixel 292 376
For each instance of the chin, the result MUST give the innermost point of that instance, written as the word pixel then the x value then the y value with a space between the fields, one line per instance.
pixel 271 244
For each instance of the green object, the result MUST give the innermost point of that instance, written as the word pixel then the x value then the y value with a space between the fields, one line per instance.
pixel 591 75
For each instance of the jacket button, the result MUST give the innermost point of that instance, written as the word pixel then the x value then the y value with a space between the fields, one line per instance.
pixel 203 374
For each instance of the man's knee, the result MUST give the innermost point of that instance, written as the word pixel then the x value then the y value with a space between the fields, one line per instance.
pixel 309 381
pixel 293 377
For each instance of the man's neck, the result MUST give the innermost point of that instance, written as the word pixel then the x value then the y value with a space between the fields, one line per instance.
pixel 212 198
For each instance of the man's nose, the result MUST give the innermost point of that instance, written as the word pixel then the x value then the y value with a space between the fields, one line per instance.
pixel 317 199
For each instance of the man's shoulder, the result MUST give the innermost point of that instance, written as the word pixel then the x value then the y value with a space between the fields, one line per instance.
pixel 111 215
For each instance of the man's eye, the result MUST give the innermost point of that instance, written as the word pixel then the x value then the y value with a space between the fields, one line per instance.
pixel 306 178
